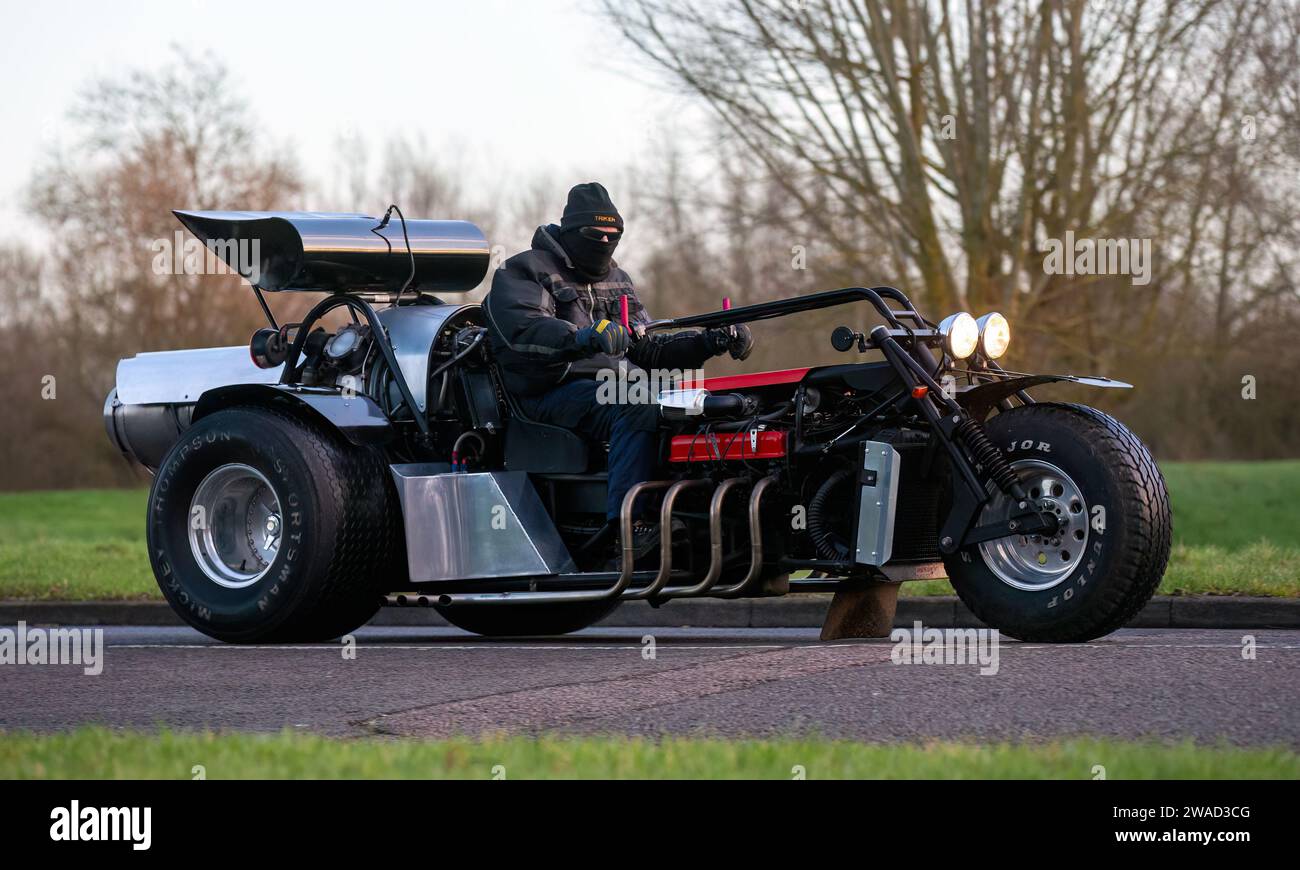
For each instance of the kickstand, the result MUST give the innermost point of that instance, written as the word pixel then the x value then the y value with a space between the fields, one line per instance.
pixel 861 608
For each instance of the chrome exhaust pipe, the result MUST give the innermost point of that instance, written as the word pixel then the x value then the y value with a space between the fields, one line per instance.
pixel 755 540
pixel 624 577
pixel 409 599
pixel 715 545
pixel 665 540
pixel 657 586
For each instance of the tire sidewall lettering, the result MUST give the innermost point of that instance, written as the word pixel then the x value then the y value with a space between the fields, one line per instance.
pixel 1068 592
pixel 1074 457
pixel 179 576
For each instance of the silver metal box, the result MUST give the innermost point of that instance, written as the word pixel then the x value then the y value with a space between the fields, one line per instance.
pixel 877 501
pixel 475 526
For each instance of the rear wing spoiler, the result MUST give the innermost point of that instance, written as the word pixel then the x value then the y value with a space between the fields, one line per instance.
pixel 325 252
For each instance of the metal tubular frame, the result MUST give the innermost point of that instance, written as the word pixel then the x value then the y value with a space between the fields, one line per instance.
pixel 937 408
pixel 665 539
pixel 658 588
pixel 813 301
pixel 327 305
pixel 755 540
pixel 715 545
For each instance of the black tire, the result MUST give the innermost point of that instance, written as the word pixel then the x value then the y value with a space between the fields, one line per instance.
pixel 340 533
pixel 1126 547
pixel 526 620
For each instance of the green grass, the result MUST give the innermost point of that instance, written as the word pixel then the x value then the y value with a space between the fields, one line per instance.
pixel 1236 528
pixel 76 544
pixel 1235 504
pixel 1236 531
pixel 1262 568
pixel 98 753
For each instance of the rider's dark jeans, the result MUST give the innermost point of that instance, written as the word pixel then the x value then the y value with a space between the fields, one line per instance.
pixel 629 429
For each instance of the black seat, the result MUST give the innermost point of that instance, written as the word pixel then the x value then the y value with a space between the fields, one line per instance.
pixel 541 448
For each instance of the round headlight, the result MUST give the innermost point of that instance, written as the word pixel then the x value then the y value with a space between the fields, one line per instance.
pixel 995 335
pixel 960 334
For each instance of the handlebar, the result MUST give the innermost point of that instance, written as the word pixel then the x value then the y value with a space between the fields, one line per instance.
pixel 813 301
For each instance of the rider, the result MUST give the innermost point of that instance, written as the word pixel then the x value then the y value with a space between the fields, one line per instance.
pixel 554 318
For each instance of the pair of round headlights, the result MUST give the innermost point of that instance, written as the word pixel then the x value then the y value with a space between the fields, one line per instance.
pixel 963 335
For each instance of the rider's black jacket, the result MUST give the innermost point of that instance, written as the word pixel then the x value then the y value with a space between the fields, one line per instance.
pixel 538 302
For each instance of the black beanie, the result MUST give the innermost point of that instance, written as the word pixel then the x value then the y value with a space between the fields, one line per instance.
pixel 589 205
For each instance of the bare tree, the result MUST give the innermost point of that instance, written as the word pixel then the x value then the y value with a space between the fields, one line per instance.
pixel 148 143
pixel 947 145
pixel 967 134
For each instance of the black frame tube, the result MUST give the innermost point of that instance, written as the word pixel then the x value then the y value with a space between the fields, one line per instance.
pixel 913 375
pixel 783 307
pixel 266 309
pixel 327 305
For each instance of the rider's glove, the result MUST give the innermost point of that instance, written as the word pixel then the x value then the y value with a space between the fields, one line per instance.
pixel 736 340
pixel 603 336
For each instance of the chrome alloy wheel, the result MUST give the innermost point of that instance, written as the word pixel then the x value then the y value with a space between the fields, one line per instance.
pixel 235 525
pixel 1037 562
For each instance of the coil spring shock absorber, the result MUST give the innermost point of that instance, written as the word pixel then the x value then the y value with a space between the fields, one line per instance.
pixel 970 433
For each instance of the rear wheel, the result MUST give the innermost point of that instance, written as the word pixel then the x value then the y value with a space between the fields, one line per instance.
pixel 526 620
pixel 264 527
pixel 1109 551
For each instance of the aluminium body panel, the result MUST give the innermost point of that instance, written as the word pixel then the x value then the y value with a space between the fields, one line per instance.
pixel 877 503
pixel 475 526
pixel 180 377
pixel 413 331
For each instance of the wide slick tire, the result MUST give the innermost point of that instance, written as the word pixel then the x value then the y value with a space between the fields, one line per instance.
pixel 526 620
pixel 1105 561
pixel 265 527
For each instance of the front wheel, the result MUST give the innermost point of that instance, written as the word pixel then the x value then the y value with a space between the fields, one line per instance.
pixel 1109 551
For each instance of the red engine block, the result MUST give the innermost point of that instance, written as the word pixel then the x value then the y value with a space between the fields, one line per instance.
pixel 734 446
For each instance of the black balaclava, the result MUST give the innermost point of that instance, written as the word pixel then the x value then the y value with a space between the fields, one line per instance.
pixel 589 205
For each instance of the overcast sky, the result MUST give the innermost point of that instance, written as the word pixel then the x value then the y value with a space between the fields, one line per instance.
pixel 521 87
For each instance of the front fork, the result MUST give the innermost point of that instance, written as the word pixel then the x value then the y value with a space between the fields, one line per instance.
pixel 976 461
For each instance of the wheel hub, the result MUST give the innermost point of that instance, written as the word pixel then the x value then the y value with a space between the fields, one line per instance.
pixel 235 525
pixel 1039 561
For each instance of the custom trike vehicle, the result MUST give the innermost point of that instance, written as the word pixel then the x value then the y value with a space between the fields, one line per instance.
pixel 304 481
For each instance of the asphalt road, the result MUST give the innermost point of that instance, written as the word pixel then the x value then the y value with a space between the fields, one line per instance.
pixel 426 682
